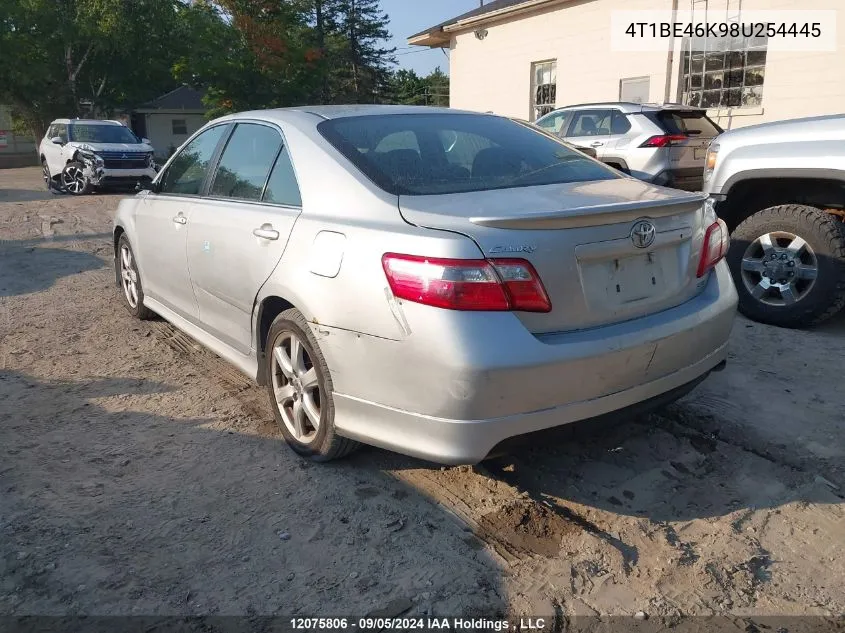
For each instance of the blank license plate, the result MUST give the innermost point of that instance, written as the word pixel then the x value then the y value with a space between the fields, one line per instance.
pixel 634 278
pixel 699 153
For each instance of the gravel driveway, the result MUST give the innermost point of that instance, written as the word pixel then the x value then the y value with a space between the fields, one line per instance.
pixel 139 474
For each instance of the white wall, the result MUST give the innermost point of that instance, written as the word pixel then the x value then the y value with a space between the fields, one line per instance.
pixel 494 74
pixel 160 129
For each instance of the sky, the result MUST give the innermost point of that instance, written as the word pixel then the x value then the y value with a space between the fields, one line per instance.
pixel 412 16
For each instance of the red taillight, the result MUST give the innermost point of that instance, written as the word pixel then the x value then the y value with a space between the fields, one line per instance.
pixel 715 247
pixel 466 284
pixel 664 140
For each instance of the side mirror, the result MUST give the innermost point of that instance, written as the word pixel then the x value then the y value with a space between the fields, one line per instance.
pixel 57 140
pixel 145 185
pixel 146 141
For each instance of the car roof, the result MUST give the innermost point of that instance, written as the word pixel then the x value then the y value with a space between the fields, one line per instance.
pixel 629 107
pixel 327 112
pixel 87 121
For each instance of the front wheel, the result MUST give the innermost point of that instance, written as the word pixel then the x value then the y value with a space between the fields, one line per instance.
pixel 74 179
pixel 300 390
pixel 788 264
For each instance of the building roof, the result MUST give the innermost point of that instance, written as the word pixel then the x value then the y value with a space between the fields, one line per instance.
pixel 182 98
pixel 435 35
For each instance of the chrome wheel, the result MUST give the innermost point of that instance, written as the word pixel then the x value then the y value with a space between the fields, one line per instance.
pixel 779 268
pixel 73 179
pixel 128 276
pixel 296 387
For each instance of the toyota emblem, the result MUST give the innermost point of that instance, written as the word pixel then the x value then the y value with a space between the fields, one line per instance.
pixel 643 234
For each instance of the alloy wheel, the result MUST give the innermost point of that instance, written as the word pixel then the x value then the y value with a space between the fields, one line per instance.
pixel 46 172
pixel 779 268
pixel 128 276
pixel 296 387
pixel 73 179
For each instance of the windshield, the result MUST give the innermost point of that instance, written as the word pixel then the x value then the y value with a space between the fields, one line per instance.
pixel 422 154
pixel 100 133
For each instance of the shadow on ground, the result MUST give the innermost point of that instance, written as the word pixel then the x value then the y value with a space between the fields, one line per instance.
pixel 111 510
pixel 34 265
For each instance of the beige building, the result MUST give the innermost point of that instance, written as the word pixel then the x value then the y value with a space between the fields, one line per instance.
pixel 169 120
pixel 523 57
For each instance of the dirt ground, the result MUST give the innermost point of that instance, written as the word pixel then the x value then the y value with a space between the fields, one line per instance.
pixel 139 474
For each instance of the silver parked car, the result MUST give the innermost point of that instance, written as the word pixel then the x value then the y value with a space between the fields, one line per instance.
pixel 663 144
pixel 426 280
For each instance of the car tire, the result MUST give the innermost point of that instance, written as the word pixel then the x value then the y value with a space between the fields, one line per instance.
pixel 45 170
pixel 73 179
pixel 129 279
pixel 797 244
pixel 299 386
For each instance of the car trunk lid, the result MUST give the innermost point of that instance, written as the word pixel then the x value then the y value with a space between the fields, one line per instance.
pixel 692 132
pixel 606 251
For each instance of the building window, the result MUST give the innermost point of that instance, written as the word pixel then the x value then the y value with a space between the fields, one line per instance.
pixel 180 127
pixel 543 88
pixel 727 75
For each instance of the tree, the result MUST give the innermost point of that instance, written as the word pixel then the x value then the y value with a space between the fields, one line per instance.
pixel 364 64
pixel 408 88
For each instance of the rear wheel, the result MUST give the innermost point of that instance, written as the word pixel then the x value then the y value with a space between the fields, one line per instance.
pixel 300 390
pixel 45 170
pixel 788 264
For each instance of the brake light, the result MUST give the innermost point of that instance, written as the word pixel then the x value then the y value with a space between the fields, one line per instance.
pixel 664 140
pixel 466 284
pixel 716 243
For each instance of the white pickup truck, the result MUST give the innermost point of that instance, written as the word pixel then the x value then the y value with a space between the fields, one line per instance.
pixel 780 187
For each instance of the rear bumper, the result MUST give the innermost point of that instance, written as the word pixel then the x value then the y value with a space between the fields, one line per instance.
pixel 459 386
pixel 688 179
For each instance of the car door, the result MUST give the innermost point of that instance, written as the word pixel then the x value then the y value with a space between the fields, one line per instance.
pixel 53 151
pixel 161 223
pixel 618 141
pixel 237 233
pixel 590 128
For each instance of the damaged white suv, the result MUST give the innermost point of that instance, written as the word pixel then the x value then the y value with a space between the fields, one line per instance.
pixel 78 155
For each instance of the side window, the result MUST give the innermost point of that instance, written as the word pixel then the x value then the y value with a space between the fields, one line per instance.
pixel 556 123
pixel 282 187
pixel 590 123
pixel 246 161
pixel 619 123
pixel 189 168
pixel 179 127
pixel 51 132
pixel 61 131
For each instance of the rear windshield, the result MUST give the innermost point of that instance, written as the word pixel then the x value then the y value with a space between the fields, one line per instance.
pixel 100 133
pixel 423 154
pixel 689 123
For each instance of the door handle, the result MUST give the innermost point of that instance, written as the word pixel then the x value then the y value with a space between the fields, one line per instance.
pixel 266 232
pixel 180 219
pixel 596 144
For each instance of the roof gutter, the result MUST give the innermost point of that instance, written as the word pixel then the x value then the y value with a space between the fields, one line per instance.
pixel 525 7
pixel 425 39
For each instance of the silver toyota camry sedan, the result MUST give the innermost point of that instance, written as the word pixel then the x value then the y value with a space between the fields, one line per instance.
pixel 426 280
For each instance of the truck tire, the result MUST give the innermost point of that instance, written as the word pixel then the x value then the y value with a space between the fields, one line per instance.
pixel 788 263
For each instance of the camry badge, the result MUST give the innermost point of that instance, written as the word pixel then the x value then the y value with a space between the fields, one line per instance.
pixel 522 248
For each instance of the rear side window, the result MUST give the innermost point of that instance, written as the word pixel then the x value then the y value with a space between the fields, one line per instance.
pixel 688 123
pixel 619 123
pixel 591 123
pixel 457 153
pixel 188 170
pixel 246 162
pixel 282 187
